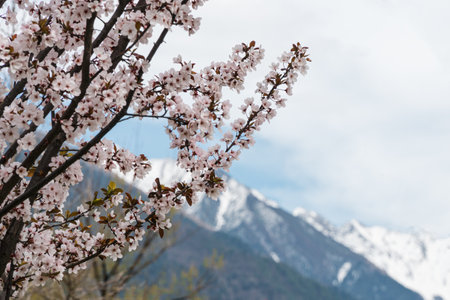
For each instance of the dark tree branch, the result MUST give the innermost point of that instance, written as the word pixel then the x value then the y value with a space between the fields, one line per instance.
pixel 104 282
pixel 9 282
pixel 87 258
pixel 87 52
pixel 2 2
pixel 131 116
pixel 8 244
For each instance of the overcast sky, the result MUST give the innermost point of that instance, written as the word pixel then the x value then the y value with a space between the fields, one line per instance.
pixel 366 135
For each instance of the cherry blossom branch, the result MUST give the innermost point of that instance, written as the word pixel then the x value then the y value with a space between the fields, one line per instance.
pixel 7 208
pixel 12 150
pixel 33 155
pixel 112 21
pixel 11 205
pixel 177 120
pixel 43 166
pixel 106 29
pixel 253 115
pixel 71 265
pixel 19 86
pixel 90 83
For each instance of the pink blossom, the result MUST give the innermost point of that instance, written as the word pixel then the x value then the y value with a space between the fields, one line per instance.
pixel 67 94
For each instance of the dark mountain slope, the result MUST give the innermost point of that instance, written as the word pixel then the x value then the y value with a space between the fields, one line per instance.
pixel 245 275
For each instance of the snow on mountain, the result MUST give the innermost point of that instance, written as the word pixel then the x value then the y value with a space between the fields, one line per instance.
pixel 315 220
pixel 307 242
pixel 271 231
pixel 416 260
pixel 232 200
pixel 343 271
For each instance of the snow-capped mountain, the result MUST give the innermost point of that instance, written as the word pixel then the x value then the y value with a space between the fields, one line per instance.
pixel 275 233
pixel 416 260
pixel 245 274
pixel 272 232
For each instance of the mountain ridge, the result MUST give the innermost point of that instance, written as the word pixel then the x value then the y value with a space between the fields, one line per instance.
pixel 417 260
pixel 275 233
pixel 245 275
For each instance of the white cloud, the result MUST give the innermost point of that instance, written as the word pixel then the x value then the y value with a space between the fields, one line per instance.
pixel 369 127
pixel 373 125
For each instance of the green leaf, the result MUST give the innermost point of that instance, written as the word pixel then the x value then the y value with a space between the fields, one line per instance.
pixel 112 185
pixel 74 214
pixel 117 191
pixel 98 202
pixel 54 211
